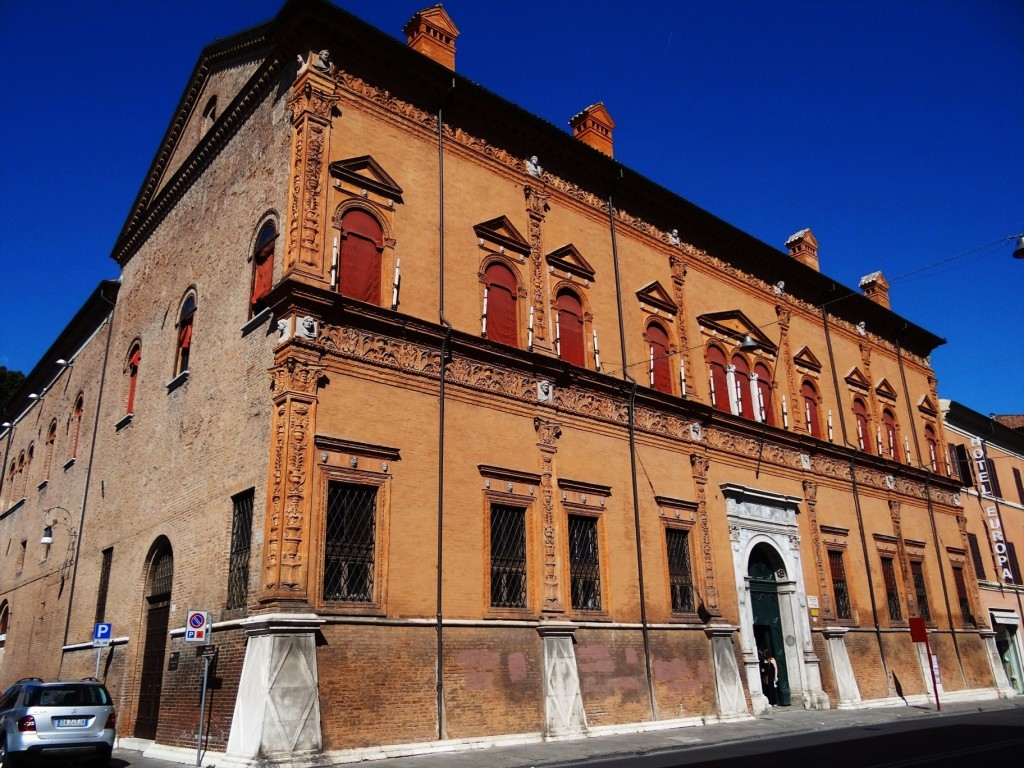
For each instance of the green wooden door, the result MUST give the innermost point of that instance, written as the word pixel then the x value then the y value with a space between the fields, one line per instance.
pixel 764 601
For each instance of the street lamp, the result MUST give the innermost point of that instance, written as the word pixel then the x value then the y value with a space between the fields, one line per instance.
pixel 59 516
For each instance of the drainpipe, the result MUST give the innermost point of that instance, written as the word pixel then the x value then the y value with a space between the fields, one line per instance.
pixel 88 472
pixel 931 511
pixel 856 497
pixel 631 414
pixel 445 351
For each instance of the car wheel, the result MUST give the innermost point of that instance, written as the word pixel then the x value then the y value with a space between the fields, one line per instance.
pixel 7 759
pixel 102 761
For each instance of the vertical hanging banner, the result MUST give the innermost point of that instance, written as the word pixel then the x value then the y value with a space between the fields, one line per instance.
pixel 993 520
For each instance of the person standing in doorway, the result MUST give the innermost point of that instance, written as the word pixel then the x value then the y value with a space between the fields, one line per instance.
pixel 769 677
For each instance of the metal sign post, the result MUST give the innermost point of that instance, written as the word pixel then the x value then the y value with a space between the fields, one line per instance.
pixel 919 634
pixel 102 634
pixel 197 630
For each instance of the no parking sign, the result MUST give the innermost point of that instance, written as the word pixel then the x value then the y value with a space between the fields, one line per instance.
pixel 197 626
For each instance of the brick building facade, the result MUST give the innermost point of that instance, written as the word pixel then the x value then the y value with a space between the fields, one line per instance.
pixel 544 448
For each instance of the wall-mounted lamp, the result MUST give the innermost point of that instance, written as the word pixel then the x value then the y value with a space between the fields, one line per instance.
pixel 1018 250
pixel 61 361
pixel 59 516
pixel 33 396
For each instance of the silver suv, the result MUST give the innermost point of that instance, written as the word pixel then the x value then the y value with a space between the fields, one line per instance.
pixel 63 721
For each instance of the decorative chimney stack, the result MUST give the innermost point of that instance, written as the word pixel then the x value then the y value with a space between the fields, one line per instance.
pixel 803 247
pixel 432 33
pixel 593 126
pixel 876 288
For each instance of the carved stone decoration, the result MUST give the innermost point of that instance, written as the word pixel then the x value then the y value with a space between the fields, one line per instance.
pixel 313 97
pixel 901 552
pixel 699 463
pixel 678 266
pixel 548 433
pixel 785 359
pixel 811 497
pixel 536 208
pixel 286 531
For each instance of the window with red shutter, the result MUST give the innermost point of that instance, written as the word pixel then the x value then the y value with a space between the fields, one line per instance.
pixel 720 395
pixel 658 356
pixel 810 398
pixel 263 266
pixel 502 290
pixel 741 395
pixel 362 242
pixel 570 328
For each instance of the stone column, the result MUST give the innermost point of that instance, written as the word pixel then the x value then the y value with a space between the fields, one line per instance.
pixel 728 683
pixel 277 709
pixel 314 95
pixel 286 571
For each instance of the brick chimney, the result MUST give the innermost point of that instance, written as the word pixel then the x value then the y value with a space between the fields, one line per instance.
pixel 804 248
pixel 432 33
pixel 593 126
pixel 876 288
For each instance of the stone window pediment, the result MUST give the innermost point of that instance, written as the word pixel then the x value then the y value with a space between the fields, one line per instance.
pixel 654 295
pixel 806 359
pixel 502 232
pixel 733 324
pixel 858 380
pixel 366 173
pixel 886 391
pixel 568 259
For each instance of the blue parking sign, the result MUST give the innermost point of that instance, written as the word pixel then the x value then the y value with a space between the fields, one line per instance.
pixel 102 635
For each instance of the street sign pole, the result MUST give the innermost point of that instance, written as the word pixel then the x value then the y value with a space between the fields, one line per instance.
pixel 99 653
pixel 202 711
pixel 919 634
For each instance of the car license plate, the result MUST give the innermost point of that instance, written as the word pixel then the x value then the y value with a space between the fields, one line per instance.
pixel 71 722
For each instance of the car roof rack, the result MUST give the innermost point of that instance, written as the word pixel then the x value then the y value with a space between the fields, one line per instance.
pixel 31 680
pixel 90 679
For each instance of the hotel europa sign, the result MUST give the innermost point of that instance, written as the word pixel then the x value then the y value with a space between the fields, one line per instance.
pixel 992 517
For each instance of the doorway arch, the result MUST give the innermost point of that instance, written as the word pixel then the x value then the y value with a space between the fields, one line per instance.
pixel 763 566
pixel 159 580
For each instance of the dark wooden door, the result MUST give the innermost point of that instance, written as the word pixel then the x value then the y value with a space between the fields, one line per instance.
pixel 152 678
pixel 764 602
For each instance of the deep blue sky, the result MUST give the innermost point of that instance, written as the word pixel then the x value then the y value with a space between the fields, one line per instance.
pixel 894 129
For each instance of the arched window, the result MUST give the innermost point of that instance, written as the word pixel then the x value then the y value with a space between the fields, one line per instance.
pixel 658 356
pixel 51 442
pixel 28 467
pixel 186 322
pixel 810 398
pixel 12 473
pixel 741 393
pixel 891 444
pixel 262 266
pixel 19 478
pixel 569 328
pixel 132 369
pixel 76 425
pixel 362 242
pixel 933 447
pixel 765 410
pixel 720 395
pixel 860 415
pixel 500 292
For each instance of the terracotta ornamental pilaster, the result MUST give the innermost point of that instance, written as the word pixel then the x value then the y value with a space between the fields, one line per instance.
pixel 700 463
pixel 785 358
pixel 689 377
pixel 536 208
pixel 287 527
pixel 811 497
pixel 901 552
pixel 548 433
pixel 314 95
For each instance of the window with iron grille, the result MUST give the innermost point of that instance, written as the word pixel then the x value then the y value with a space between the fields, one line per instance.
pixel 584 563
pixel 680 577
pixel 917 575
pixel 508 556
pixel 163 576
pixel 961 595
pixel 350 542
pixel 839 586
pixel 101 595
pixel 241 546
pixel 892 594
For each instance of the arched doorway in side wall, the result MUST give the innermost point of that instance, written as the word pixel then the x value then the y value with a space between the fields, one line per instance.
pixel 762 568
pixel 159 577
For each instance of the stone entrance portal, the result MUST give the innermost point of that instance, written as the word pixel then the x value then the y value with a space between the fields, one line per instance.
pixel 764 533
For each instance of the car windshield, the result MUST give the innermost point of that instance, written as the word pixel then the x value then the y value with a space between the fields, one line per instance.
pixel 71 695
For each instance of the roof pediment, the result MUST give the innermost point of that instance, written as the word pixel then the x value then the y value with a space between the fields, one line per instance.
pixel 927 407
pixel 735 325
pixel 806 359
pixel 366 173
pixel 502 232
pixel 655 295
pixel 569 259
pixel 858 380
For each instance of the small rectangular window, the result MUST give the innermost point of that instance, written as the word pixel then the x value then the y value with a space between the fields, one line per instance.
pixel 20 566
pixel 584 563
pixel 839 585
pixel 1011 555
pixel 979 564
pixel 1019 483
pixel 993 479
pixel 350 544
pixel 961 595
pixel 508 556
pixel 963 464
pixel 917 575
pixel 101 593
pixel 892 593
pixel 241 546
pixel 680 577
